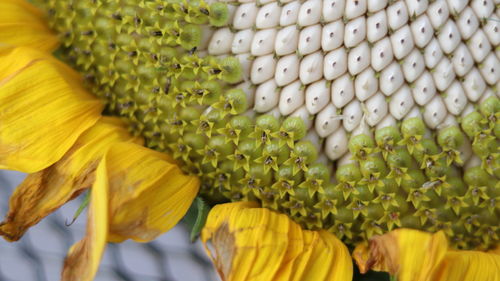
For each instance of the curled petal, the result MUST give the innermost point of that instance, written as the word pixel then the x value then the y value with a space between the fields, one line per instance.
pixel 148 192
pixel 413 255
pixel 43 110
pixel 45 191
pixel 82 261
pixel 21 24
pixel 249 243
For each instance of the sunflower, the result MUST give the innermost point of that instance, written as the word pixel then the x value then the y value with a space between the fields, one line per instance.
pixel 151 104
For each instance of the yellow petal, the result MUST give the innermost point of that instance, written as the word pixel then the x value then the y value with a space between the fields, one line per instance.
pixel 43 110
pixel 43 192
pixel 21 24
pixel 148 193
pixel 248 243
pixel 413 255
pixel 84 257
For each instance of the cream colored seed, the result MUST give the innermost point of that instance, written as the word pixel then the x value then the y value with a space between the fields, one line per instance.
pixel 443 74
pixel 358 58
pixel 432 53
pixel 336 144
pixel 482 8
pixel 310 39
pixel 422 31
pixel 275 112
pixel 245 16
pixel 311 68
pixel 304 115
pixel 416 7
pixel 402 42
pixel 376 108
pixel 263 42
pixel 355 31
pixel 381 54
pixel 352 115
pixel 263 69
pixel 333 10
pixel 424 89
pixel 473 85
pixel 462 60
pixel 291 98
pixel 317 96
pixel 490 69
pixel 457 6
pixel 309 13
pixel 492 29
pixel 467 23
pixel 449 37
pixel 268 16
pixel 479 46
pixel 266 96
pixel 290 13
pixel 388 121
pixel 287 40
pixel 434 112
pixel 221 42
pixel 401 102
pixel 438 13
pixel 355 8
pixel 413 65
pixel 332 35
pixel 376 5
pixel 397 15
pixel 335 64
pixel 327 121
pixel 455 98
pixel 376 27
pixel 342 91
pixel 242 41
pixel 391 78
pixel 365 84
pixel 287 70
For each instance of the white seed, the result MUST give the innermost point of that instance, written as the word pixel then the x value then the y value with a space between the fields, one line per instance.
pixel 487 94
pixel 332 35
pixel 245 15
pixel 317 96
pixel 422 31
pixel 376 108
pixel 381 54
pixel 362 129
pixel 335 64
pixel 311 68
pixel 491 28
pixel 290 13
pixel 365 84
pixel 310 39
pixel 287 70
pixel 291 98
pixel 455 99
pixel 449 37
pixel 342 90
pixel 333 9
pixel 479 46
pixel 266 96
pixel 443 74
pixel 432 53
pixel 388 121
pixel 287 41
pixel 402 42
pixel 327 121
pixel 336 144
pixel 376 5
pixel 456 6
pixel 397 15
pixel 467 23
pixel 246 61
pixel 249 90
pixel 376 27
pixel 242 41
pixel 462 60
pixel 391 79
pixel 263 68
pixel 483 8
pixel 401 103
pixel 221 42
pixel 424 89
pixel 268 16
pixel 490 68
pixel 263 42
pixel 275 112
pixel 304 115
pixel 434 112
pixel 309 13
pixel 438 13
pixel 448 121
pixel 474 85
pixel 358 58
pixel 416 7
pixel 414 113
pixel 352 115
pixel 413 65
pixel 354 8
pixel 313 137
pixel 355 31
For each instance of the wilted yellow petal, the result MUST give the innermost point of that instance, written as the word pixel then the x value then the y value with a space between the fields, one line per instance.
pixel 413 255
pixel 84 257
pixel 148 193
pixel 43 110
pixel 248 243
pixel 21 24
pixel 43 192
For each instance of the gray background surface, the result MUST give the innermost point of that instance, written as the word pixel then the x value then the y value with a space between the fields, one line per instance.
pixel 39 255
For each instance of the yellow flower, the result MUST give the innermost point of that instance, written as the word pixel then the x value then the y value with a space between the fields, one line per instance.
pixel 52 128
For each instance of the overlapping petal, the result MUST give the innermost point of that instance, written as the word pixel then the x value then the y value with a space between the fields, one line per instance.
pixel 413 255
pixel 148 193
pixel 43 110
pixel 43 192
pixel 84 257
pixel 249 243
pixel 21 24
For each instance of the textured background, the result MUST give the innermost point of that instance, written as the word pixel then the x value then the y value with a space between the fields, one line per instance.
pixel 39 255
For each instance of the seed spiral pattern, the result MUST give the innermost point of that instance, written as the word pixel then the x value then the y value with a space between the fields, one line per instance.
pixel 356 116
